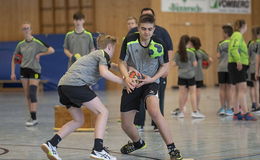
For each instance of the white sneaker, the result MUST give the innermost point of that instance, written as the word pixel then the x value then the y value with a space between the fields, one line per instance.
pixel 197 114
pixel 31 123
pixel 139 128
pixel 103 155
pixel 51 151
pixel 175 112
pixel 180 115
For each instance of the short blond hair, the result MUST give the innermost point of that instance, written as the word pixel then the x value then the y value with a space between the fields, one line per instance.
pixel 104 39
pixel 132 18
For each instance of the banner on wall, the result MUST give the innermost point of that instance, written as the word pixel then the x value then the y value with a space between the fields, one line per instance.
pixel 207 6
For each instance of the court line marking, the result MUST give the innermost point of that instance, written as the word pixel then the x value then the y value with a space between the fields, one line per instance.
pixel 245 156
pixel 81 149
pixel 5 151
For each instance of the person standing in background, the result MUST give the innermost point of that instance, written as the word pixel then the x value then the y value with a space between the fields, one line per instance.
pixel 27 54
pixel 223 76
pixel 238 61
pixel 257 46
pixel 201 56
pixel 252 82
pixel 78 42
pixel 131 23
pixel 186 61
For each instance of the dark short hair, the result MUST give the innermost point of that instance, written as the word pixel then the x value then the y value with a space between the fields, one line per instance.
pixel 239 24
pixel 196 42
pixel 257 30
pixel 147 9
pixel 228 30
pixel 146 18
pixel 78 16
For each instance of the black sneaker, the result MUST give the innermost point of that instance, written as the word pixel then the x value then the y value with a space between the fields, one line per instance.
pixel 256 110
pixel 175 154
pixel 156 129
pixel 129 147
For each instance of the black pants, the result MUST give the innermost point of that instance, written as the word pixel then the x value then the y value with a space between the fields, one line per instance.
pixel 140 116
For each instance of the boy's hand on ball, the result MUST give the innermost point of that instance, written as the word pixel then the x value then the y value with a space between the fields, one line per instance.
pixel 147 79
pixel 130 84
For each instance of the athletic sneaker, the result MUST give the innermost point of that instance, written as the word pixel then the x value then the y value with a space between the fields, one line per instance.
pixel 51 151
pixel 103 155
pixel 155 129
pixel 180 115
pixel 229 112
pixel 238 116
pixel 222 111
pixel 31 123
pixel 175 154
pixel 177 111
pixel 140 128
pixel 197 114
pixel 256 110
pixel 129 147
pixel 249 117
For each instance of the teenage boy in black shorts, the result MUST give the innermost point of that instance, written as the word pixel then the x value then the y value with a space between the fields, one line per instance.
pixel 75 92
pixel 148 55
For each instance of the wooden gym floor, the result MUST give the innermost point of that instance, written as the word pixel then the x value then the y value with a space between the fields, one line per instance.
pixel 214 138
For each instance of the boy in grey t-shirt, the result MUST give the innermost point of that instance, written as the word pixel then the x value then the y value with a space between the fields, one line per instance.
pixel 75 92
pixel 78 42
pixel 148 55
pixel 27 53
pixel 223 75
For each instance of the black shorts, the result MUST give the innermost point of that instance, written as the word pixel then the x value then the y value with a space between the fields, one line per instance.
pixel 186 82
pixel 29 73
pixel 235 75
pixel 250 83
pixel 252 77
pixel 133 100
pixel 199 84
pixel 75 95
pixel 223 78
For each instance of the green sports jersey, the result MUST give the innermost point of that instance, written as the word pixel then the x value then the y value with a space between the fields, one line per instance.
pixel 81 43
pixel 237 50
pixel 29 49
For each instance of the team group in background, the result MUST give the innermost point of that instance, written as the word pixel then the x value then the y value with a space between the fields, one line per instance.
pixel 147 51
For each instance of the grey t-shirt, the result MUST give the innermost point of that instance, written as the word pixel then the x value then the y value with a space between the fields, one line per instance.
pixel 85 71
pixel 257 45
pixel 223 59
pixel 252 56
pixel 137 56
pixel 186 69
pixel 29 49
pixel 200 56
pixel 81 43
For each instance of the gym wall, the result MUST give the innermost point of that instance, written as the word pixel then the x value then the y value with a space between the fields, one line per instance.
pixel 109 16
